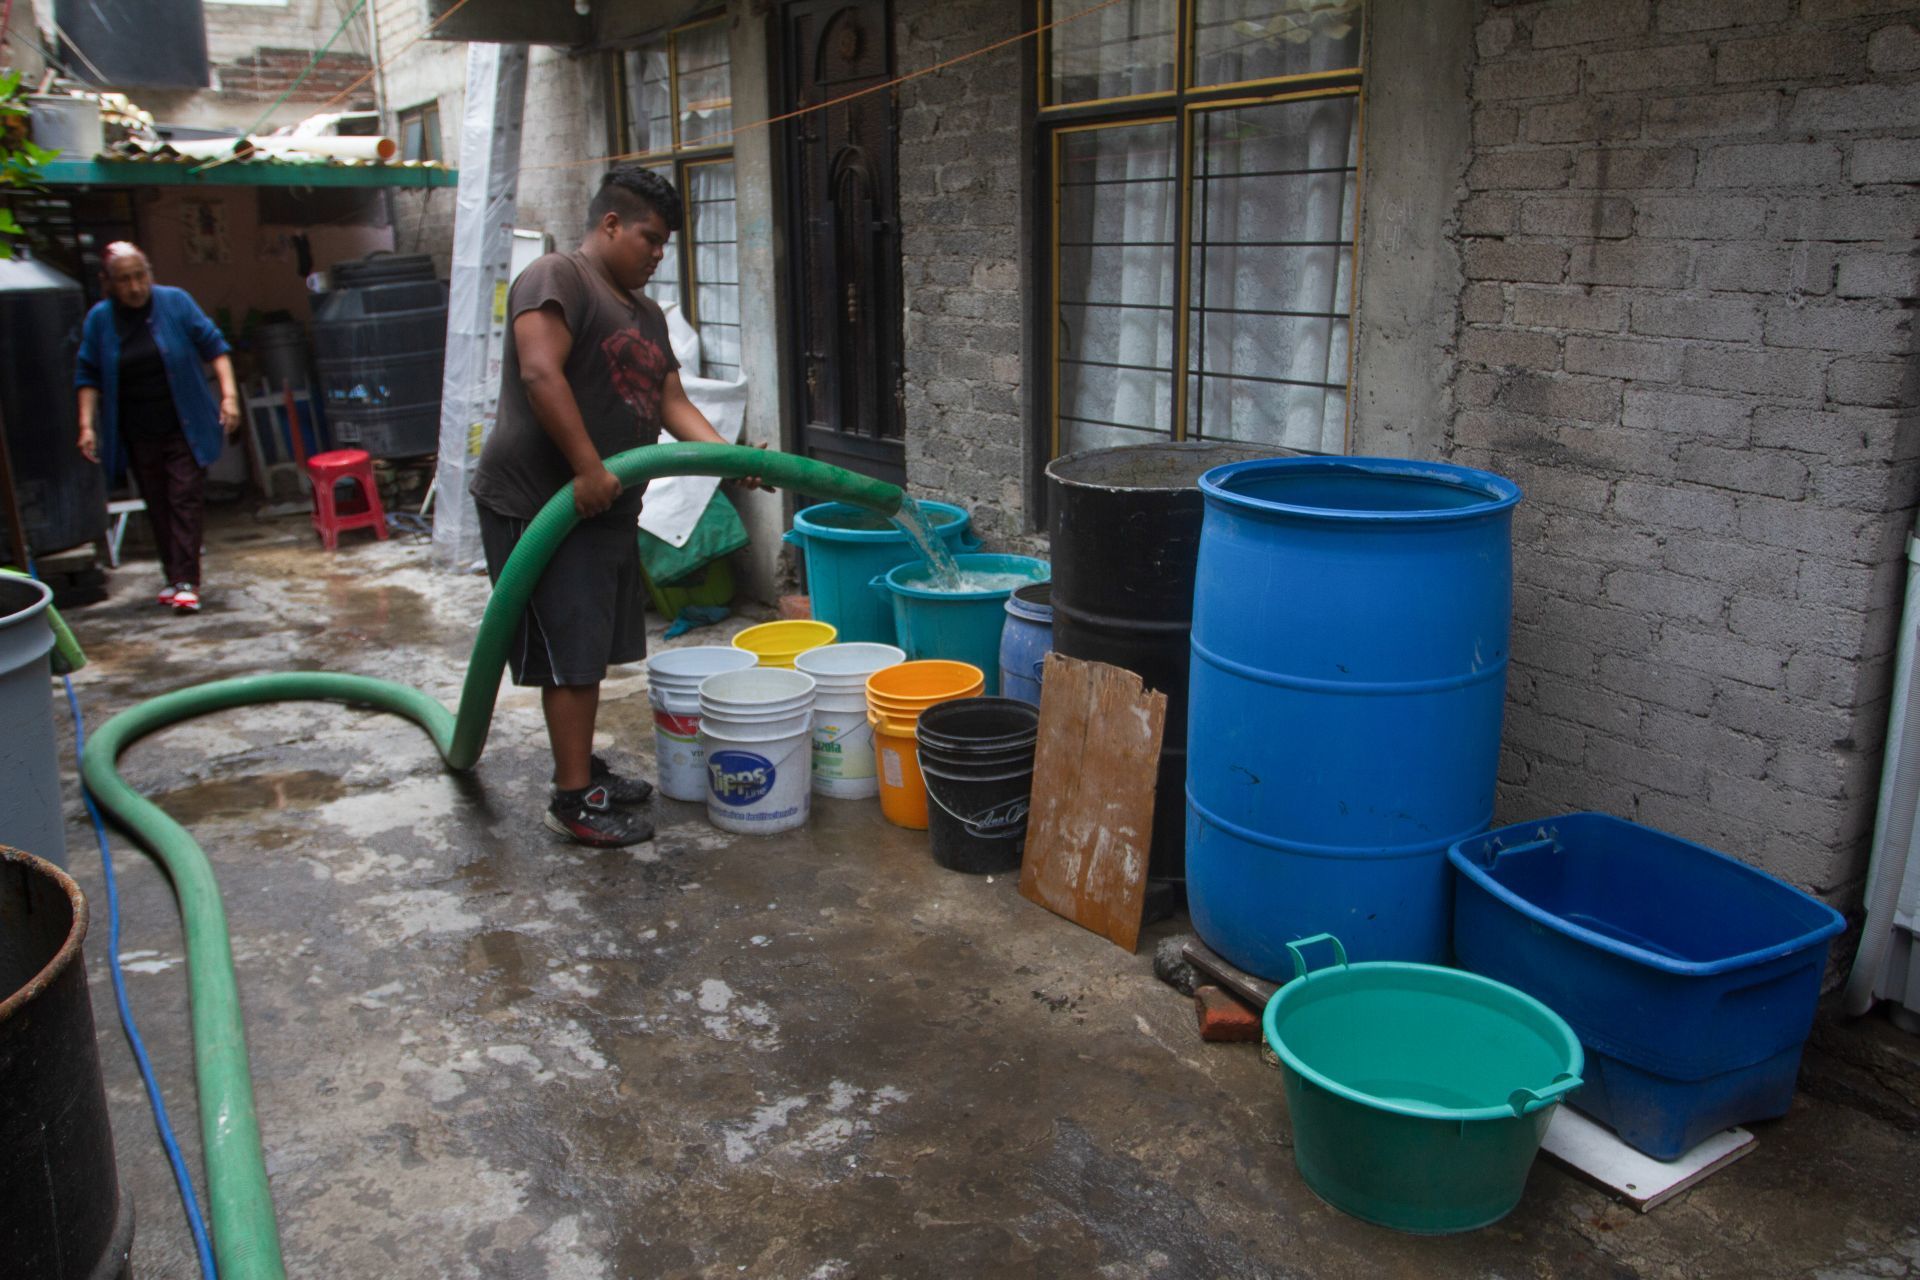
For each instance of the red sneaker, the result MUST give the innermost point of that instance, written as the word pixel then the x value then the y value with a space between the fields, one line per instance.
pixel 185 599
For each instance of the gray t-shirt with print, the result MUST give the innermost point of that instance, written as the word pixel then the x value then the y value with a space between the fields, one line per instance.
pixel 617 368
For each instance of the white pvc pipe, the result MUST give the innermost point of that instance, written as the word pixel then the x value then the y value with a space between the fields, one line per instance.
pixel 1894 826
pixel 354 148
pixel 213 148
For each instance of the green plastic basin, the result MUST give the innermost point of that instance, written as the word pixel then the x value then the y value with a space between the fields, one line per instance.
pixel 1418 1094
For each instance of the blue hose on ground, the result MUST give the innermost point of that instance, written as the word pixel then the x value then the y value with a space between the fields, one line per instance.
pixel 196 1223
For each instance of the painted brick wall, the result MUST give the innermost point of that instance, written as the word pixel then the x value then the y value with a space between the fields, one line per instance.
pixel 962 162
pixel 1688 235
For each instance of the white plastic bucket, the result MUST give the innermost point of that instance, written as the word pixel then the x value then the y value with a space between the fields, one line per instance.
pixel 842 737
pixel 756 731
pixel 673 687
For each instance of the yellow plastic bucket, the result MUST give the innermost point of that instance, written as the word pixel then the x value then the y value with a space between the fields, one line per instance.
pixel 896 696
pixel 777 644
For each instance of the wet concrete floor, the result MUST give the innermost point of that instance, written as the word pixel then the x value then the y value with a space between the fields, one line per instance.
pixel 478 1051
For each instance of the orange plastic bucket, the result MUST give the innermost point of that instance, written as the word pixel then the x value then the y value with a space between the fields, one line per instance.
pixel 896 696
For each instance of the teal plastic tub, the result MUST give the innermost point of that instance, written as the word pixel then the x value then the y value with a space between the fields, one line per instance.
pixel 1419 1095
pixel 846 547
pixel 961 626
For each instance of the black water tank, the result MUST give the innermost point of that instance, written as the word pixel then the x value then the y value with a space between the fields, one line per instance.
pixel 1125 527
pixel 379 341
pixel 62 1215
pixel 63 497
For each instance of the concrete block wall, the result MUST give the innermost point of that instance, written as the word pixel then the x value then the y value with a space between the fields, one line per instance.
pixel 417 72
pixel 965 262
pixel 257 53
pixel 1688 230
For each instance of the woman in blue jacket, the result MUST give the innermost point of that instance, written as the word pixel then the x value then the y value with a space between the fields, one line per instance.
pixel 144 399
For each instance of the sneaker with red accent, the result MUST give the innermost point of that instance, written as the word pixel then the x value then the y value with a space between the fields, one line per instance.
pixel 185 599
pixel 167 593
pixel 620 788
pixel 588 817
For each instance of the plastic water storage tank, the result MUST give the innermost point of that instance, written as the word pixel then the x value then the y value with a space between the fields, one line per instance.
pixel 380 339
pixel 1350 626
pixel 62 496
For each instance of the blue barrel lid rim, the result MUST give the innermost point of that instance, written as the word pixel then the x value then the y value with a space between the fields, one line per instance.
pixel 803 526
pixel 1570 1079
pixel 1499 493
pixel 1466 865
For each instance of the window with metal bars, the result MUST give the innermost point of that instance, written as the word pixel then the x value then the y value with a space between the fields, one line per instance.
pixel 674 114
pixel 1202 164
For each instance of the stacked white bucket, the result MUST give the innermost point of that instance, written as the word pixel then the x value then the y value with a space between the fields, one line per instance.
pixel 756 730
pixel 757 742
pixel 843 765
pixel 673 686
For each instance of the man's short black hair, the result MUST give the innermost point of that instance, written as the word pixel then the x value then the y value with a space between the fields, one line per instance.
pixel 633 193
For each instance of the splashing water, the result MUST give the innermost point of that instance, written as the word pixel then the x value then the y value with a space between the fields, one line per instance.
pixel 943 573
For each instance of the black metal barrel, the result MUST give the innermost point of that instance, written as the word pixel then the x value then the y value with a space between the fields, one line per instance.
pixel 62 1216
pixel 1125 527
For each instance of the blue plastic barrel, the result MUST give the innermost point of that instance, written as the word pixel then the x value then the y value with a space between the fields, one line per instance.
pixel 1349 671
pixel 1025 640
pixel 846 547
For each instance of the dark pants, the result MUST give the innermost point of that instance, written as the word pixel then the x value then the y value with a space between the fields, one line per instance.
pixel 174 487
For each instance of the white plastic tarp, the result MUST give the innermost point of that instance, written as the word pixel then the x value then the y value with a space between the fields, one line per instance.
pixel 674 503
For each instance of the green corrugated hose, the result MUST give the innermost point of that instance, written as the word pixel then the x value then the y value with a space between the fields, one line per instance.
pixel 246 1239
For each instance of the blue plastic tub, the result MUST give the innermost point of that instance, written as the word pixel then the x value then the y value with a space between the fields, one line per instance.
pixel 1690 977
pixel 959 626
pixel 1026 638
pixel 1350 621
pixel 846 547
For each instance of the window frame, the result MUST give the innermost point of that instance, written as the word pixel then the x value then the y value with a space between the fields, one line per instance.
pixel 1181 106
pixel 676 156
pixel 422 112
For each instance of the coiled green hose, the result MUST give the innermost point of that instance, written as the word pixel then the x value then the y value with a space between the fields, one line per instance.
pixel 246 1238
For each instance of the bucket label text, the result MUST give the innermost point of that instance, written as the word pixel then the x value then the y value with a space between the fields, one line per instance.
pixel 739 778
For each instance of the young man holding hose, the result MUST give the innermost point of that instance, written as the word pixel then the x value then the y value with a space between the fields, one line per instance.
pixel 587 373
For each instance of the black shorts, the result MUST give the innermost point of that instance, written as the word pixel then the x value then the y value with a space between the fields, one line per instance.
pixel 588 609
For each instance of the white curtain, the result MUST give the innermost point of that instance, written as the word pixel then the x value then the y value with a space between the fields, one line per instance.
pixel 1272 273
pixel 716 265
pixel 1115 52
pixel 1268 300
pixel 1119 205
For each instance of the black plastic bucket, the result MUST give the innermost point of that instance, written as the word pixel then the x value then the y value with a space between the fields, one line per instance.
pixel 976 755
pixel 63 1217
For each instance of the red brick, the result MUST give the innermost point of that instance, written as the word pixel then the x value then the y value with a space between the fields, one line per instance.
pixel 1223 1019
pixel 796 607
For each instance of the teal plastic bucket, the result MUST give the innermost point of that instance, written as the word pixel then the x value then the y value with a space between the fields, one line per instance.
pixel 846 547
pixel 1419 1095
pixel 961 626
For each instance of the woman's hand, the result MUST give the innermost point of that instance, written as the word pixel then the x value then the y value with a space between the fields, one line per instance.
pixel 89 446
pixel 230 415
pixel 756 482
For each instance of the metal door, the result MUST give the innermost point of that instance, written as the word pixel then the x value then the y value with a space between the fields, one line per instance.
pixel 844 260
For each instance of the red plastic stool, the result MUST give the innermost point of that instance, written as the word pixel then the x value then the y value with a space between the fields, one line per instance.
pixel 328 470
